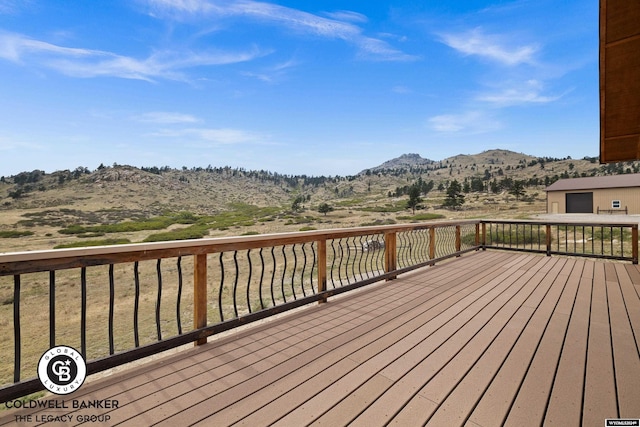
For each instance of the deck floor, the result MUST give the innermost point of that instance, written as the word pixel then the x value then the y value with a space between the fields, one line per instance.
pixel 491 338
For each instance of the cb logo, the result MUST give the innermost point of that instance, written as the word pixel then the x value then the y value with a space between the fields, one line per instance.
pixel 62 370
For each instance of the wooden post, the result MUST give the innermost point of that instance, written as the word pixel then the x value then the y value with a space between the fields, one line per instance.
pixel 634 242
pixel 484 236
pixel 477 234
pixel 458 239
pixel 432 243
pixel 548 236
pixel 200 294
pixel 390 259
pixel 322 268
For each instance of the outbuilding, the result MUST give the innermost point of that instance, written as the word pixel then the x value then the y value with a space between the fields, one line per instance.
pixel 617 194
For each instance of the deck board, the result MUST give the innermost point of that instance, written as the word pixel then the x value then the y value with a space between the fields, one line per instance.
pixel 487 339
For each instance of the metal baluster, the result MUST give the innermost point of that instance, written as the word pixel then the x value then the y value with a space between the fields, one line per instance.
pixel 284 271
pixel 261 278
pixel 111 304
pixel 249 279
pixel 136 303
pixel 235 283
pixel 313 266
pixel 83 311
pixel 221 288
pixel 273 274
pixel 293 273
pixel 159 300
pixel 333 261
pixel 179 297
pixel 304 267
pixel 16 328
pixel 52 308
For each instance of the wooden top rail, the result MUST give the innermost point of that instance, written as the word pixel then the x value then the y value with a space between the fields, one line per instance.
pixel 45 260
pixel 630 223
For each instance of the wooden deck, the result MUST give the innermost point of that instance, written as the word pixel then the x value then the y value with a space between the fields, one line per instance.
pixel 490 338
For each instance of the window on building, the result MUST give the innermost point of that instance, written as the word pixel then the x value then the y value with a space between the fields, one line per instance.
pixel 615 204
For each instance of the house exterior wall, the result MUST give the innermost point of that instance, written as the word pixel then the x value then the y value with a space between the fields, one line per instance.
pixel 602 198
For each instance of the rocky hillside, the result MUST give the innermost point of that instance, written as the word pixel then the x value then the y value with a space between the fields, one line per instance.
pixel 154 190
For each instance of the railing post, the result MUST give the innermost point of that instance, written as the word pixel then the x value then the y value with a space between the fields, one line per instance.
pixel 390 253
pixel 432 243
pixel 634 242
pixel 200 294
pixel 548 239
pixel 458 242
pixel 484 236
pixel 322 268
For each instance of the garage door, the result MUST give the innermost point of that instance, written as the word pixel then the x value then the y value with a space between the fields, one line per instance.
pixel 579 202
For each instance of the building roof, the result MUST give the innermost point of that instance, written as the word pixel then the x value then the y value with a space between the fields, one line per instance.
pixel 596 182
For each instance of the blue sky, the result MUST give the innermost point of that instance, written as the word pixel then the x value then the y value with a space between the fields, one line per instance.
pixel 297 87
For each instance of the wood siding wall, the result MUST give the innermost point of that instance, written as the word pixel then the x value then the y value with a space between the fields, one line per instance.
pixel 619 80
pixel 602 198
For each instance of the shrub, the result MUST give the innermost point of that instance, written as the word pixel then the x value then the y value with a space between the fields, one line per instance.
pixel 86 243
pixel 12 234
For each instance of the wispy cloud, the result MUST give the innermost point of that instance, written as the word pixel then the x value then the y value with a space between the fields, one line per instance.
pixel 529 92
pixel 471 122
pixel 8 7
pixel 80 62
pixel 494 47
pixel 165 117
pixel 272 74
pixel 339 25
pixel 347 15
pixel 217 136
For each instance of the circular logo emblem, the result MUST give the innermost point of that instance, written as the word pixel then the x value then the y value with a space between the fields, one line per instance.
pixel 62 370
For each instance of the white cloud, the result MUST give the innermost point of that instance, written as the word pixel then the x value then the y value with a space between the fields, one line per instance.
pixel 164 117
pixel 471 122
pixel 494 47
pixel 220 136
pixel 78 62
pixel 274 73
pixel 340 26
pixel 529 92
pixel 347 15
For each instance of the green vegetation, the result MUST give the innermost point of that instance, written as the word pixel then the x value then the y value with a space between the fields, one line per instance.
pixel 193 232
pixel 421 217
pixel 241 215
pixel 455 198
pixel 387 208
pixel 12 234
pixel 387 221
pixel 308 229
pixel 87 243
pixel 324 208
pixel 414 199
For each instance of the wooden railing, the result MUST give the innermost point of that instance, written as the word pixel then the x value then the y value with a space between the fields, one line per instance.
pixel 607 241
pixel 118 304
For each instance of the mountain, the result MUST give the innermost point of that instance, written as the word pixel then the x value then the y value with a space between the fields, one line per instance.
pixel 405 161
pixel 489 157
